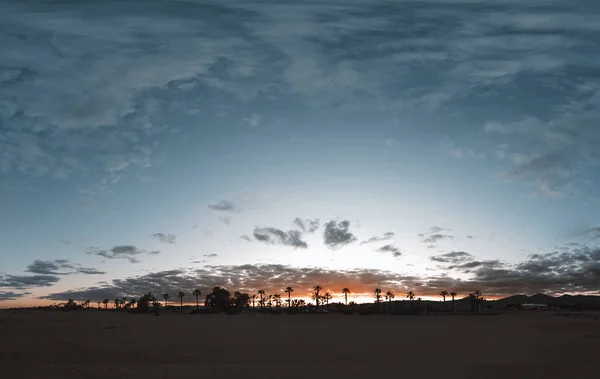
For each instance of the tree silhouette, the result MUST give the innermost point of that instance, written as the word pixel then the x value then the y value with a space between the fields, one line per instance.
pixel 219 298
pixel 443 294
pixel 277 300
pixel 377 293
pixel 389 295
pixel 180 295
pixel 475 299
pixel 253 298
pixel 99 302
pixel 346 291
pixel 143 304
pixel 87 303
pixel 410 295
pixel 105 302
pixel 327 296
pixel 453 294
pixel 289 291
pixel 241 300
pixel 316 293
pixel 117 302
pixel 197 293
pixel 166 297
pixel 262 299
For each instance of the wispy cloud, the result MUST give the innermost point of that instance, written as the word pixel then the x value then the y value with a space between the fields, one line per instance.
pixel 225 206
pixel 165 237
pixel 307 225
pixel 275 236
pixel 395 251
pixel 60 267
pixel 386 236
pixel 128 252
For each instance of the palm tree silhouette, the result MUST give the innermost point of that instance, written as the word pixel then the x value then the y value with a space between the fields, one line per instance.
pixel 289 291
pixel 181 295
pixel 377 292
pixel 166 297
pixel 346 291
pixel 316 294
pixel 253 298
pixel 410 295
pixel 327 296
pixel 99 302
pixel 389 295
pixel 105 302
pixel 453 294
pixel 197 293
pixel 117 302
pixel 277 300
pixel 133 302
pixel 444 294
pixel 262 300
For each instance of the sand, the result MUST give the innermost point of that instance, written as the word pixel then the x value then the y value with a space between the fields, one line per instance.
pixel 117 345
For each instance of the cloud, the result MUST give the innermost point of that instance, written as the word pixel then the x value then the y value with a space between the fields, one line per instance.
pixel 225 220
pixel 386 236
pixel 253 120
pixel 225 206
pixel 23 282
pixel 128 252
pixel 576 271
pixel 594 233
pixel 246 237
pixel 307 225
pixel 435 238
pixel 4 296
pixel 454 257
pixel 165 237
pixel 396 252
pixel 60 267
pixel 278 237
pixel 211 255
pixel 337 234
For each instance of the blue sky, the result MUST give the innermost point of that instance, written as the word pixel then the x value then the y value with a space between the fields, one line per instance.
pixel 140 141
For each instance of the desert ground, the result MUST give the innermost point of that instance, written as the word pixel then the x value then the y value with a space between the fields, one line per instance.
pixel 35 344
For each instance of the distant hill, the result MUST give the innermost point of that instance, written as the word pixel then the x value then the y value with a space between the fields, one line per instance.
pixel 577 301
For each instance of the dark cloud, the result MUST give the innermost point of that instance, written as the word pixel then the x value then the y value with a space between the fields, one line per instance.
pixel 60 267
pixel 225 206
pixel 307 225
pixel 470 237
pixel 165 237
pixel 575 272
pixel 396 252
pixel 23 282
pixel 386 236
pixel 454 257
pixel 434 235
pixel 128 252
pixel 337 234
pixel 212 255
pixel 4 296
pixel 435 238
pixel 246 237
pixel 279 237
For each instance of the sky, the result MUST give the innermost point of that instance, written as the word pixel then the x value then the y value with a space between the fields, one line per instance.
pixel 421 145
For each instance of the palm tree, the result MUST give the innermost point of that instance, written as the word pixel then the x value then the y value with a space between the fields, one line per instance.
pixel 99 302
pixel 262 300
pixel 389 295
pixel 289 291
pixel 180 295
pixel 317 290
pixel 410 295
pixel 346 291
pixel 166 297
pixel 443 294
pixel 327 296
pixel 377 292
pixel 453 294
pixel 197 293
pixel 105 302
pixel 277 300
pixel 253 298
pixel 117 302
pixel 132 302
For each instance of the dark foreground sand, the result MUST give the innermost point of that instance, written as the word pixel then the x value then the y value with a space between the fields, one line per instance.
pixel 112 345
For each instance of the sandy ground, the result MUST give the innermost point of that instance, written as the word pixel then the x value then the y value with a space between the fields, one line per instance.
pixel 113 345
